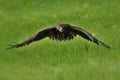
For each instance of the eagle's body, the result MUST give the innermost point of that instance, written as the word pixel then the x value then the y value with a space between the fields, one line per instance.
pixel 67 34
pixel 60 32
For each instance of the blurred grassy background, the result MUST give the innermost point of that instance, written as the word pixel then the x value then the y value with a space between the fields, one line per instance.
pixel 51 60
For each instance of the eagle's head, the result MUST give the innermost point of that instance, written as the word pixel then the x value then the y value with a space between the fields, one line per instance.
pixel 62 27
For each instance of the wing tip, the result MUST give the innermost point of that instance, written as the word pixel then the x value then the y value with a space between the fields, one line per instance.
pixel 103 44
pixel 11 46
pixel 107 46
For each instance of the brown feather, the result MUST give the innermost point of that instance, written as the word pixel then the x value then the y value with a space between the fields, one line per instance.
pixel 60 32
pixel 40 35
pixel 88 36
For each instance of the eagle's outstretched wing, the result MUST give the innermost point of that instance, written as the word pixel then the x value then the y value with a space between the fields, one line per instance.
pixel 40 35
pixel 87 36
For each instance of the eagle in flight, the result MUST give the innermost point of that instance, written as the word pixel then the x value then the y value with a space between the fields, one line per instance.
pixel 60 32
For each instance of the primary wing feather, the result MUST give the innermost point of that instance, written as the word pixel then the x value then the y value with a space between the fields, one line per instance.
pixel 88 36
pixel 38 36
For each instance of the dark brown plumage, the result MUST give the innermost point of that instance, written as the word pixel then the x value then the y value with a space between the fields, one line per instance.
pixel 60 32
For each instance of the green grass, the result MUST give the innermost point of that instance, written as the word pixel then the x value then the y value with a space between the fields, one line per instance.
pixel 77 59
